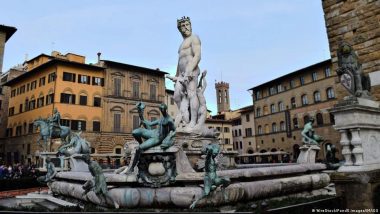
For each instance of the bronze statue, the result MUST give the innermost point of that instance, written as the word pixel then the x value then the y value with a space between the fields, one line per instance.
pixel 50 174
pixel 51 128
pixel 211 179
pixel 54 121
pixel 163 134
pixel 77 145
pixel 350 72
pixel 98 183
pixel 308 135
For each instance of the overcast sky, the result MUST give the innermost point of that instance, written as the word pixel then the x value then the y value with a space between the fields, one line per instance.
pixel 244 42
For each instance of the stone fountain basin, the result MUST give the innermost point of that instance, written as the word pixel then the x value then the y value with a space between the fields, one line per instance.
pixel 247 184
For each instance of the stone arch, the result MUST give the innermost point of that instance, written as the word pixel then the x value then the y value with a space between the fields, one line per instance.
pixel 82 117
pixel 97 94
pixel 250 150
pixel 133 111
pixel 83 92
pixel 117 108
pixel 50 91
pixel 154 112
pixel 66 116
pixel 68 90
pixel 135 77
pixel 96 118
pixel 153 80
pixel 117 73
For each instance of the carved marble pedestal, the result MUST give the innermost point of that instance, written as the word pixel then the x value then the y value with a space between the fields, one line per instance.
pixel 358 121
pixel 308 154
pixel 192 145
pixel 158 167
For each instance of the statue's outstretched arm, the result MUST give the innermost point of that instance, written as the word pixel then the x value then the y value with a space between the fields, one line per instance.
pixel 151 123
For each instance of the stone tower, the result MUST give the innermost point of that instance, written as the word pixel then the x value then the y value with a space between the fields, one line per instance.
pixel 5 33
pixel 222 96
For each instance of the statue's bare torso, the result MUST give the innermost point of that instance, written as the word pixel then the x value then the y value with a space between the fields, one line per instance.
pixel 186 53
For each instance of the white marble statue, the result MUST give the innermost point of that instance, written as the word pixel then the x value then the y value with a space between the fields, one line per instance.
pixel 188 94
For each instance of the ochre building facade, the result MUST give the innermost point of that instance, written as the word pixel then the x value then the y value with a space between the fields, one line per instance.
pixel 97 100
pixel 283 106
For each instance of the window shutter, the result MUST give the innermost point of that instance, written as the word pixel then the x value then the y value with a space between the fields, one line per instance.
pixel 62 97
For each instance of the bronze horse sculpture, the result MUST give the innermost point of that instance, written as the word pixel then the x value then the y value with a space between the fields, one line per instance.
pixel 43 125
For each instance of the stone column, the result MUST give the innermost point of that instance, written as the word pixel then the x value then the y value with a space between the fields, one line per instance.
pixel 358 121
pixel 346 152
pixel 358 149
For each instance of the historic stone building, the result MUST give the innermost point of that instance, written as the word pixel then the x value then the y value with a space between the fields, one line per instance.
pixel 358 23
pixel 224 127
pixel 283 105
pixel 125 86
pixel 243 130
pixel 169 101
pixel 5 93
pixel 6 32
pixel 52 81
pixel 95 99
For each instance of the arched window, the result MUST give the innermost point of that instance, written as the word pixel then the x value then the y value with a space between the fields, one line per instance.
pixel 274 127
pixel 306 119
pixel 295 123
pixel 319 119
pixel 32 104
pixel 117 87
pixel 293 102
pixel 260 130
pixel 330 93
pixel 272 108
pixel 258 112
pixel 282 126
pixel 97 101
pixel 281 106
pixel 317 97
pixel 266 110
pixel 304 100
pixel 266 128
pixel 83 99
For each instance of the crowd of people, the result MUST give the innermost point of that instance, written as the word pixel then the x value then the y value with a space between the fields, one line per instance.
pixel 18 171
